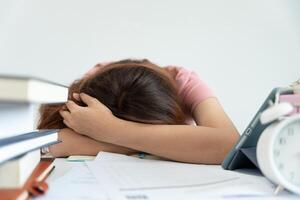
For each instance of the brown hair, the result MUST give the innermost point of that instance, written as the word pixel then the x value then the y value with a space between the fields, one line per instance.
pixel 135 90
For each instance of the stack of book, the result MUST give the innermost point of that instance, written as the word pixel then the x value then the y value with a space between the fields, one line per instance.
pixel 22 171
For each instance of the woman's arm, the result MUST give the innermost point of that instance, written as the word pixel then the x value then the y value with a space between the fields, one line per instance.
pixel 76 144
pixel 208 143
pixel 210 113
pixel 185 143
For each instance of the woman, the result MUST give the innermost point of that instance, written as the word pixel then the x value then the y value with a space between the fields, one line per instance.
pixel 136 106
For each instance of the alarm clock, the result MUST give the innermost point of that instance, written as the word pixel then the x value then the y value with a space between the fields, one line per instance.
pixel 278 148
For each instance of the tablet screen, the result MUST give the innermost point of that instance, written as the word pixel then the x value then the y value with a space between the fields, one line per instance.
pixel 236 158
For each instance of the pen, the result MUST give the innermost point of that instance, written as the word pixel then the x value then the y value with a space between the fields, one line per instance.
pixel 39 186
pixel 45 173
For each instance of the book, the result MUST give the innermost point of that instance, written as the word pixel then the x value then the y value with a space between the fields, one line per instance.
pixel 14 173
pixel 35 184
pixel 20 99
pixel 31 89
pixel 17 118
pixel 12 147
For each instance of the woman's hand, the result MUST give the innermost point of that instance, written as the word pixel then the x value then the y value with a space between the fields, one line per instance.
pixel 91 120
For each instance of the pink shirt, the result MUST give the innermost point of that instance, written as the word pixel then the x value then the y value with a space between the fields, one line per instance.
pixel 191 88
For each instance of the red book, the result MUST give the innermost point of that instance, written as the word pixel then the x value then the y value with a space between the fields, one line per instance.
pixel 34 186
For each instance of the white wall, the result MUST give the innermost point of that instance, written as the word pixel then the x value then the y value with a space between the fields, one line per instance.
pixel 241 48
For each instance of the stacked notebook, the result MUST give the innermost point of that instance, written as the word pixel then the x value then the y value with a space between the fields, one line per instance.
pixel 21 169
pixel 20 98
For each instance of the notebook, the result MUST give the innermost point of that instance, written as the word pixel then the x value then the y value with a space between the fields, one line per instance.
pixel 31 89
pixel 17 145
pixel 15 172
pixel 30 188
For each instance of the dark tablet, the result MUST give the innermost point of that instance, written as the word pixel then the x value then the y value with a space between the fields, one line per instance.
pixel 243 154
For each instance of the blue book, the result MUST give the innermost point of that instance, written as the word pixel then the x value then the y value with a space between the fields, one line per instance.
pixel 14 146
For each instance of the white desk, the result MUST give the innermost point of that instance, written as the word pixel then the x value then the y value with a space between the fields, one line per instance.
pixel 62 167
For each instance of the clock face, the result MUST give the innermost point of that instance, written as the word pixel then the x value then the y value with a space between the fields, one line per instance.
pixel 286 152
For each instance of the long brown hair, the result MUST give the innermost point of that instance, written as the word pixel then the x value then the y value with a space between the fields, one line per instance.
pixel 135 90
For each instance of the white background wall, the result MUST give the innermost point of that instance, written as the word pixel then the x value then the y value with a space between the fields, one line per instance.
pixel 241 48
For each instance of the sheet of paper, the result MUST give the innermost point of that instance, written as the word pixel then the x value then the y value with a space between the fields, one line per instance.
pixel 138 178
pixel 127 177
pixel 108 157
pixel 244 186
pixel 77 184
pixel 157 175
pixel 247 186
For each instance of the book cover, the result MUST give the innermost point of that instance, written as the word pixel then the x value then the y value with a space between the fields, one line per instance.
pixel 31 89
pixel 35 184
pixel 12 147
pixel 14 173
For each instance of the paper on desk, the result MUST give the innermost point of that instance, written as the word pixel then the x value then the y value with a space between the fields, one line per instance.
pixel 138 178
pixel 108 157
pixel 247 186
pixel 244 186
pixel 78 184
pixel 126 178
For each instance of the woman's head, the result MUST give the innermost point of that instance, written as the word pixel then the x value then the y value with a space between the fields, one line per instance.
pixel 133 90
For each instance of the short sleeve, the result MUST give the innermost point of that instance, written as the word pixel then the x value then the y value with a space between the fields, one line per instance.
pixel 192 89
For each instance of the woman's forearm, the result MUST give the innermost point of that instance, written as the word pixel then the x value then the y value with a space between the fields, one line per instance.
pixel 185 143
pixel 75 144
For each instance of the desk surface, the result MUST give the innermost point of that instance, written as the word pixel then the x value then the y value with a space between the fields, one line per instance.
pixel 62 167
